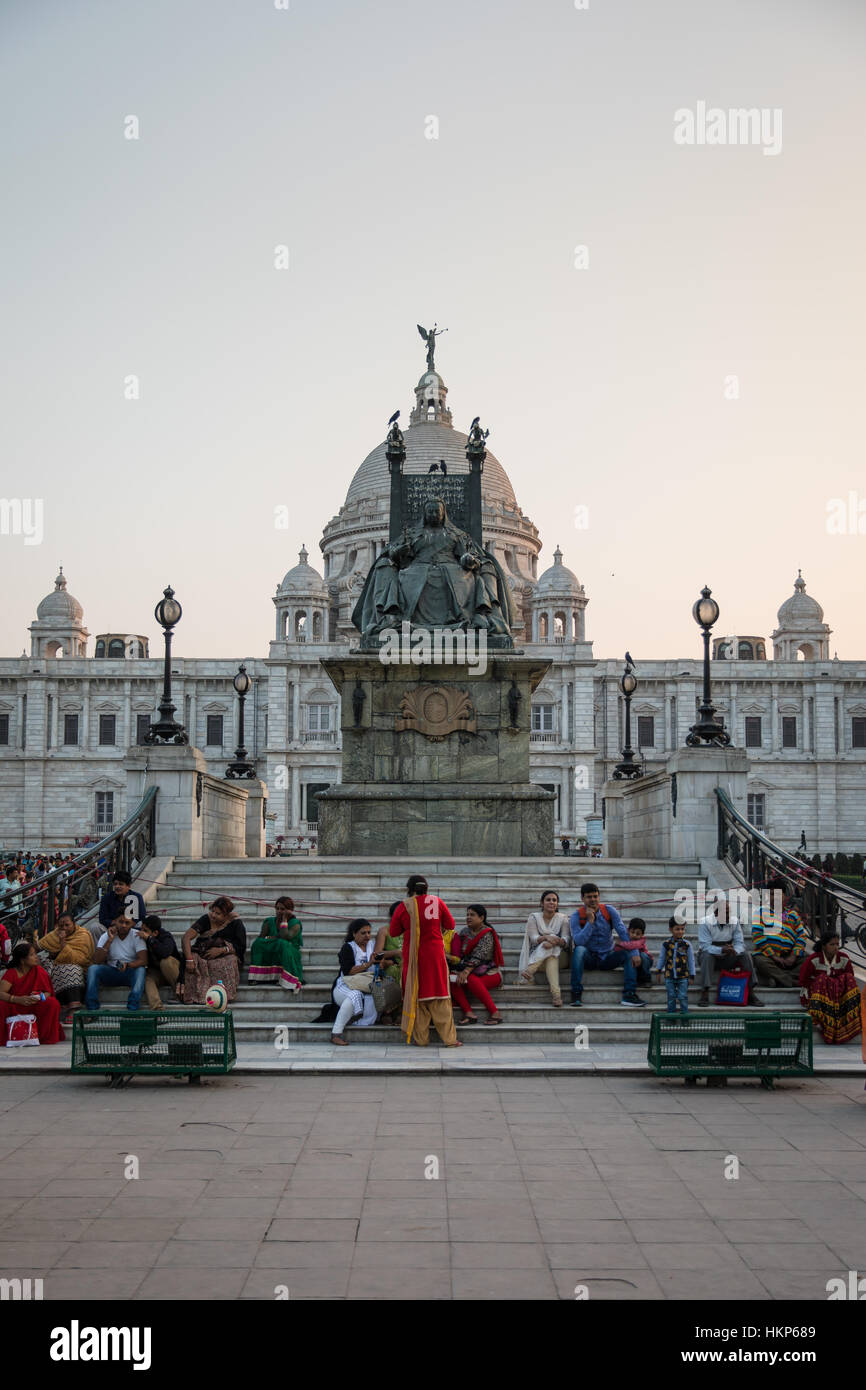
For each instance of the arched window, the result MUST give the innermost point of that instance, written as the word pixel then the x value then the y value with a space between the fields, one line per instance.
pixel 317 624
pixel 115 647
pixel 805 652
pixel 761 652
pixel 744 651
pixel 542 627
pixel 100 648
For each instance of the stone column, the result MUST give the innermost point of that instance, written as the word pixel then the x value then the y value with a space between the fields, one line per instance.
pixel 126 733
pixel 296 796
pixel 695 828
pixel 613 819
pixel 563 731
pixel 296 711
pixel 179 816
pixel 775 741
pixel 257 801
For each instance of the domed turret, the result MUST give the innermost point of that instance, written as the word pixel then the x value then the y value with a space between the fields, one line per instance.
pixel 802 631
pixel 59 627
pixel 302 604
pixel 558 605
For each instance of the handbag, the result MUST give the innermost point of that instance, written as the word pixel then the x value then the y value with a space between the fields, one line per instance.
pixel 386 994
pixel 22 1031
pixel 362 981
pixel 733 987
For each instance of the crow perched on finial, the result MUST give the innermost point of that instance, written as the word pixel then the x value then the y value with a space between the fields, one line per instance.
pixel 434 468
pixel 629 661
pixel 442 467
pixel 475 422
pixel 394 418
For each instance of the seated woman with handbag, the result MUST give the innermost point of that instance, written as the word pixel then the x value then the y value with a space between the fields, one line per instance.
pixel 352 988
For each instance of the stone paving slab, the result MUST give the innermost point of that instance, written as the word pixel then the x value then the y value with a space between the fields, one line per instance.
pixel 343 1187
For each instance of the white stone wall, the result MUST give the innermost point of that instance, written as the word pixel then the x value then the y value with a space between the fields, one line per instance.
pixel 47 791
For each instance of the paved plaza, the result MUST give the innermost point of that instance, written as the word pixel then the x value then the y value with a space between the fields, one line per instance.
pixel 256 1186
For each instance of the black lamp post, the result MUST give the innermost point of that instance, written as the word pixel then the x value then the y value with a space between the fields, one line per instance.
pixel 628 767
pixel 241 767
pixel 705 612
pixel 166 729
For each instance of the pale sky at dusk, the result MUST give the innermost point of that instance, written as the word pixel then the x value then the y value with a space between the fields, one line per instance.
pixel 602 387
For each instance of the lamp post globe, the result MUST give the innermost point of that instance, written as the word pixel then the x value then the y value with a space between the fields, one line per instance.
pixel 628 768
pixel 241 766
pixel 166 729
pixel 708 730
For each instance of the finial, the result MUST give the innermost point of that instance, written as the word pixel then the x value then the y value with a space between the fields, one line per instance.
pixel 303 555
pixel 557 556
pixel 60 581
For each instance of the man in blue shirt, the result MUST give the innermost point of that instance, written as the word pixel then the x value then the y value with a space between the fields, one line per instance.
pixel 592 929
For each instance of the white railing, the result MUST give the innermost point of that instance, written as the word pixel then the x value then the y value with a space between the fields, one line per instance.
pixel 102 828
pixel 320 736
pixel 536 736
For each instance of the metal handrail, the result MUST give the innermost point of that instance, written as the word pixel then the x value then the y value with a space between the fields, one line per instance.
pixel 754 859
pixel 76 886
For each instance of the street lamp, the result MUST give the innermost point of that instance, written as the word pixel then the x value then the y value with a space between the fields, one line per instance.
pixel 241 767
pixel 705 612
pixel 628 767
pixel 166 729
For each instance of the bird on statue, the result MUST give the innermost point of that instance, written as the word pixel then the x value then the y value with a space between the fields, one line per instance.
pixel 442 468
pixel 474 423
pixel 394 418
pixel 434 468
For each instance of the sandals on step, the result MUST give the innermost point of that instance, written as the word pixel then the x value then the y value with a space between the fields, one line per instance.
pixel 494 1018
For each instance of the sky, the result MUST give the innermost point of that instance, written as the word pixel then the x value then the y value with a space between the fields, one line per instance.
pixel 693 378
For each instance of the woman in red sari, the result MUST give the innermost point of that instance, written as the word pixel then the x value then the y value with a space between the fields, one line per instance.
pixel 480 965
pixel 426 992
pixel 26 989
pixel 829 991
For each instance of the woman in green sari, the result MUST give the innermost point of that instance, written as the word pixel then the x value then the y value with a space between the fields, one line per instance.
pixel 276 952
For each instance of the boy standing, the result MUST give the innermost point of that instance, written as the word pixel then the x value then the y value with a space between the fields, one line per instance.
pixel 676 966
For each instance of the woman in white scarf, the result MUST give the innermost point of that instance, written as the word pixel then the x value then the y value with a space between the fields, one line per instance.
pixel 547 933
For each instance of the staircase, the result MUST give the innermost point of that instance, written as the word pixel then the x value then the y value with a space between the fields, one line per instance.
pixel 328 893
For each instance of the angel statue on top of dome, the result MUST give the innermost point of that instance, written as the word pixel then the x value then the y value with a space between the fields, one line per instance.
pixel 430 336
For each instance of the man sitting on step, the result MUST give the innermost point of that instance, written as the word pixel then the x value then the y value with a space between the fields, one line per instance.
pixel 592 932
pixel 720 938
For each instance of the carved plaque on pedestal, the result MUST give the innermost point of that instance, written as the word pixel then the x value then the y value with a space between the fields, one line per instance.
pixel 436 711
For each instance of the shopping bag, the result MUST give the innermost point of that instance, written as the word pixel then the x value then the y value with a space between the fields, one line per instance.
pixel 21 1031
pixel 733 987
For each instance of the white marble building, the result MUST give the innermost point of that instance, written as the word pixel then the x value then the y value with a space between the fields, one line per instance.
pixel 68 718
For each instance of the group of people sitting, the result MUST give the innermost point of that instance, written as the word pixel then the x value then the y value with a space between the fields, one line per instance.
pixel 420 968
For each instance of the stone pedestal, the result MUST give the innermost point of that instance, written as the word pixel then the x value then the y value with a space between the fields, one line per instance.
pixel 197 815
pixel 674 814
pixel 435 762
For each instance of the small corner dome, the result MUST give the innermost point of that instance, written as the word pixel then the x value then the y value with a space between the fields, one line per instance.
pixel 303 578
pixel 60 604
pixel 558 579
pixel 800 607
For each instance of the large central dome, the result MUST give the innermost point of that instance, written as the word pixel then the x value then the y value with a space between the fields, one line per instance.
pixel 426 444
pixel 359 532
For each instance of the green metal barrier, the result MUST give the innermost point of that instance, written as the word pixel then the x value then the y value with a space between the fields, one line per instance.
pixel 171 1042
pixel 724 1044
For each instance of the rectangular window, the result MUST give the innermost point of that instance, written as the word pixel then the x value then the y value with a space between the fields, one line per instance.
pixel 858 732
pixel 107 730
pixel 542 719
pixel 70 729
pixel 755 809
pixel 789 731
pixel 105 810
pixel 646 726
pixel 4 728
pixel 214 731
pixel 318 719
pixel 142 728
pixel 753 731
